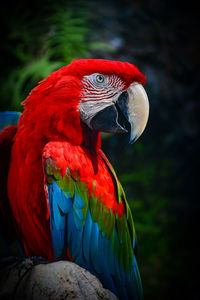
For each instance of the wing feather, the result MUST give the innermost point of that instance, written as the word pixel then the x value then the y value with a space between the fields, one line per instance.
pixel 97 238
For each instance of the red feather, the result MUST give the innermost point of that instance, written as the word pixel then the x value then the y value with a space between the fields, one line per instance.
pixel 51 114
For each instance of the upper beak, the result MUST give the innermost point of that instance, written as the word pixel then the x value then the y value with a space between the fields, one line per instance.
pixel 134 105
pixel 128 114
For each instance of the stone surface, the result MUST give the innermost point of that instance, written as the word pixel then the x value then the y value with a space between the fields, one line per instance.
pixel 38 279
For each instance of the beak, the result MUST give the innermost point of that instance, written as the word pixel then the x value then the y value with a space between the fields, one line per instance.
pixel 134 106
pixel 129 114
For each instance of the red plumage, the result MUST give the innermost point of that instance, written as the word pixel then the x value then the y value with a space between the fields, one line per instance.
pixel 51 114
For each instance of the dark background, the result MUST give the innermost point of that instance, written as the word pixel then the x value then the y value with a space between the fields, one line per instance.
pixel 160 171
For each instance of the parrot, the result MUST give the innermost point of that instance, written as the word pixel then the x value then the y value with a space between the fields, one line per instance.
pixel 65 198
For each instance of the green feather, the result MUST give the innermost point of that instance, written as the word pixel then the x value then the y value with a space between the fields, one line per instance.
pixel 107 220
pixel 81 190
pixel 94 208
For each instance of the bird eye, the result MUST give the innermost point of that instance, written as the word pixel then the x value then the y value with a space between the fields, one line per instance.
pixel 100 78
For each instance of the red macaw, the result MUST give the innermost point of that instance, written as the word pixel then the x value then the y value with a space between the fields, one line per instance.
pixel 65 198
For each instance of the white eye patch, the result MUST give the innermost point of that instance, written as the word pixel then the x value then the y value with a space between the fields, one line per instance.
pixel 95 81
pixel 98 92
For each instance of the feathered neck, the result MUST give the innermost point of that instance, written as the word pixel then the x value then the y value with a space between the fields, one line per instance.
pixel 91 139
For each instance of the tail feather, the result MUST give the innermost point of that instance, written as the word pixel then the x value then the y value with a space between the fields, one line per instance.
pixel 8 118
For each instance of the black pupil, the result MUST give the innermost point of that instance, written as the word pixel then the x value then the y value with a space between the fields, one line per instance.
pixel 100 78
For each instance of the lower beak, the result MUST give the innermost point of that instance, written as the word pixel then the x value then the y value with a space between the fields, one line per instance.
pixel 128 114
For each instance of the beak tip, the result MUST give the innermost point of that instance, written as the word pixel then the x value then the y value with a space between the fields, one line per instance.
pixel 133 140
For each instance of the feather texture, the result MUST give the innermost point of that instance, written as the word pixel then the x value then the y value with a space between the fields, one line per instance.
pixel 99 238
pixel 65 198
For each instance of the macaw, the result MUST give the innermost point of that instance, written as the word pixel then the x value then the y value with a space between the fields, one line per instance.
pixel 65 197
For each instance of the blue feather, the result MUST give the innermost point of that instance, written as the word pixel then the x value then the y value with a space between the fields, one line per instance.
pixel 8 118
pixel 76 237
pixel 59 205
pixel 88 246
pixel 94 239
pixel 78 217
pixel 64 202
pixel 78 201
pixel 87 237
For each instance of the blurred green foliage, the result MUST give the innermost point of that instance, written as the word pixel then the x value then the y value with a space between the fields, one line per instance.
pixel 150 206
pixel 43 45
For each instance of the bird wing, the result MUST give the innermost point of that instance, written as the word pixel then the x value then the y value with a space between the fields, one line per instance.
pixel 96 237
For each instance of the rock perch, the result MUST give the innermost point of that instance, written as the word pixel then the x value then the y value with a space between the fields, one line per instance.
pixel 36 279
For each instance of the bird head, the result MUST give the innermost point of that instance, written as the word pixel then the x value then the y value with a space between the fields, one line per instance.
pixel 113 99
pixel 102 95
